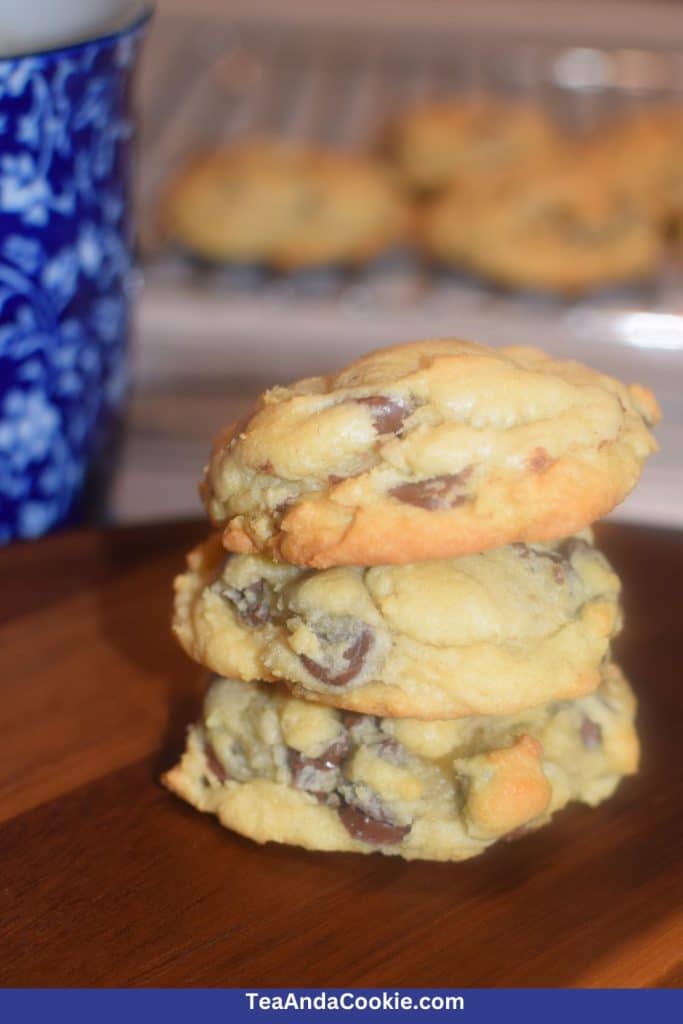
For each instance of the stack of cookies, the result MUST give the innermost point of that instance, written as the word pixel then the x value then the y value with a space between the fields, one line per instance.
pixel 408 617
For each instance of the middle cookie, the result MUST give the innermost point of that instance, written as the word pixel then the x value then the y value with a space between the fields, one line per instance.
pixel 487 634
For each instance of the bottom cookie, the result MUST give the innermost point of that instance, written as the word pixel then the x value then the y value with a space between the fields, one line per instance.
pixel 275 768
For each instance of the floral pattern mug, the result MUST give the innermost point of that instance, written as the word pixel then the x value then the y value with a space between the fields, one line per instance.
pixel 66 138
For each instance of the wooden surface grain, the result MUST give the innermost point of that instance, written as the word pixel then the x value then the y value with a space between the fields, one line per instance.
pixel 106 879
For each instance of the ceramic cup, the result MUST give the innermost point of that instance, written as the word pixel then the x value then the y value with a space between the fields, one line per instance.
pixel 66 138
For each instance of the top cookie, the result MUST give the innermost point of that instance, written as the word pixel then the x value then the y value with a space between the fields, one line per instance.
pixel 459 141
pixel 286 206
pixel 432 449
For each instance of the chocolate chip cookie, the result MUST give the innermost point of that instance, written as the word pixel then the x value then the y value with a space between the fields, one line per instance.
pixel 566 228
pixel 275 768
pixel 462 141
pixel 428 450
pixel 482 634
pixel 643 155
pixel 284 206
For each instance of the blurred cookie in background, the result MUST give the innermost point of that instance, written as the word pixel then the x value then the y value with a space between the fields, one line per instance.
pixel 564 226
pixel 643 154
pixel 285 206
pixel 455 142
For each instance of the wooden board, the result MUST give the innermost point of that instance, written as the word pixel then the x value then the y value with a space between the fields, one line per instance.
pixel 106 879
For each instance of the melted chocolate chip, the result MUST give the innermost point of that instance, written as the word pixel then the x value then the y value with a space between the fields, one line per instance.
pixel 389 749
pixel 388 413
pixel 362 728
pixel 351 718
pixel 560 565
pixel 282 508
pixel 213 764
pixel 591 734
pixel 330 758
pixel 539 460
pixel 252 603
pixel 440 492
pixel 558 558
pixel 570 547
pixel 337 751
pixel 353 657
pixel 376 831
pixel 318 775
pixel 319 781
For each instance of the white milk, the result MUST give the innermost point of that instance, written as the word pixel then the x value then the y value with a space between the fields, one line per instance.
pixel 27 26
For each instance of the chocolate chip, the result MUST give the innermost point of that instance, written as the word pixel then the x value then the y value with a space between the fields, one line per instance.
pixel 347 666
pixel 307 775
pixel 539 460
pixel 352 718
pixel 318 775
pixel 337 751
pixel 440 492
pixel 366 817
pixel 389 749
pixel 253 603
pixel 282 508
pixel 591 734
pixel 376 831
pixel 388 413
pixel 572 546
pixel 363 729
pixel 213 764
pixel 559 560
pixel 559 566
pixel 331 757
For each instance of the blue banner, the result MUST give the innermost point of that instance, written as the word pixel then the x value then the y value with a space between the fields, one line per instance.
pixel 547 1006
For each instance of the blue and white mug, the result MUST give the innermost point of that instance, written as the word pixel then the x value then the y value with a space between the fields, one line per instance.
pixel 66 137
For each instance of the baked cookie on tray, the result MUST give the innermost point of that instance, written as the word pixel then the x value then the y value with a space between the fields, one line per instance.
pixel 283 205
pixel 428 450
pixel 566 229
pixel 275 768
pixel 485 634
pixel 642 154
pixel 458 142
